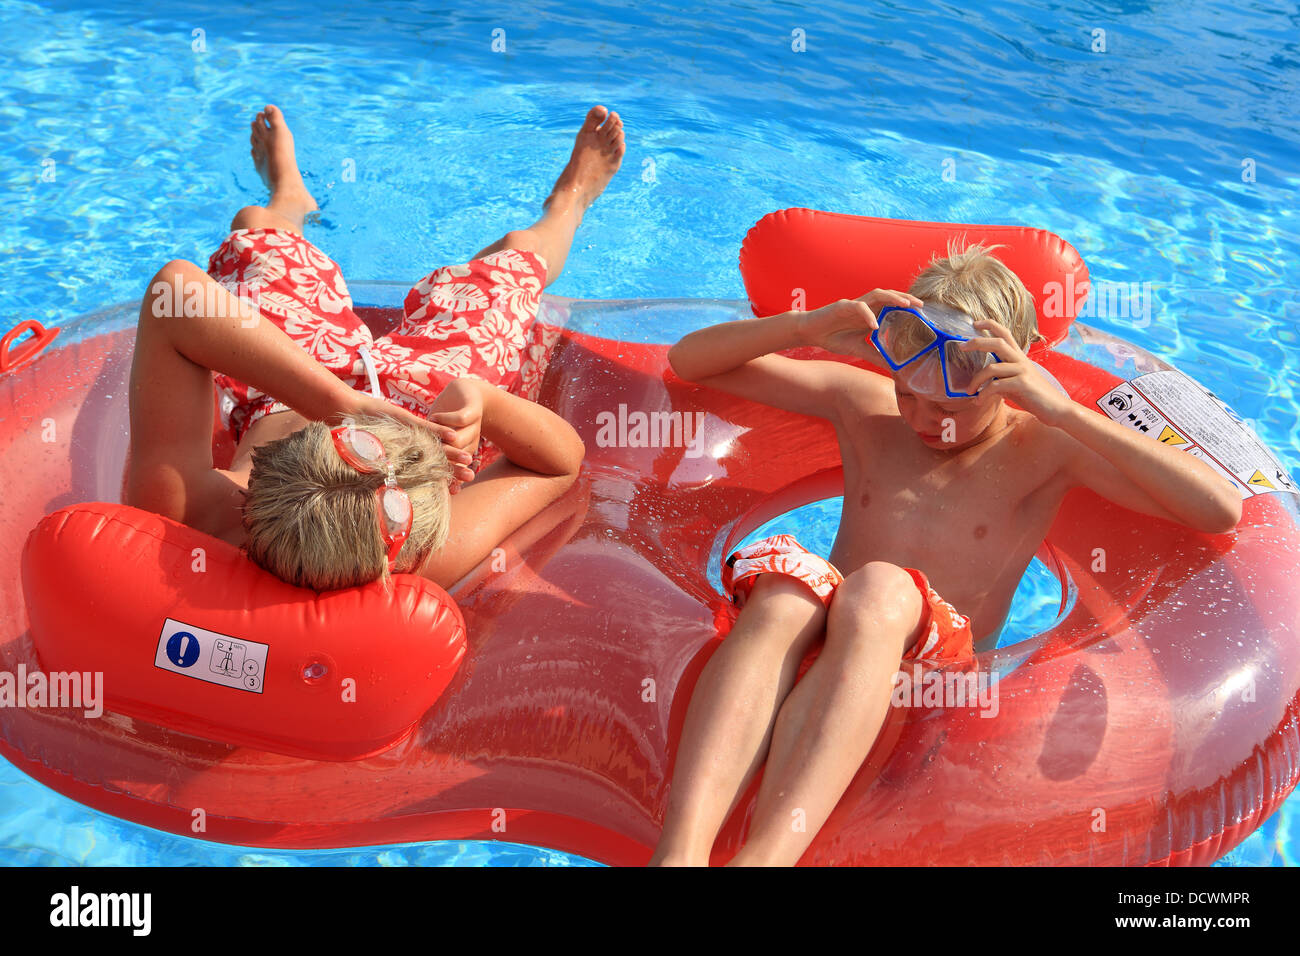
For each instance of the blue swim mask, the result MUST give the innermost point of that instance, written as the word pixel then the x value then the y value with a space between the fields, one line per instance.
pixel 922 345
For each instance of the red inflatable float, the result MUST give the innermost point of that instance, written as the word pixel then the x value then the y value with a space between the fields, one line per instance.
pixel 1153 723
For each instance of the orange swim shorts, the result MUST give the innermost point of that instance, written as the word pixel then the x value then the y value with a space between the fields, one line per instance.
pixel 945 634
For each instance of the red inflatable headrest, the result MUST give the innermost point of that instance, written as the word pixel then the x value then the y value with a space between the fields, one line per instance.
pixel 190 634
pixel 834 256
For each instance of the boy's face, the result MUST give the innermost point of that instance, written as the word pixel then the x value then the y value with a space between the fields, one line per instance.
pixel 943 423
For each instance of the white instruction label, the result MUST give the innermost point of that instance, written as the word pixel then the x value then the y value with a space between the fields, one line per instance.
pixel 216 658
pixel 1175 410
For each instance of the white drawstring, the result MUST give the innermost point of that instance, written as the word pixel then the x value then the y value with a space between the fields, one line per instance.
pixel 370 371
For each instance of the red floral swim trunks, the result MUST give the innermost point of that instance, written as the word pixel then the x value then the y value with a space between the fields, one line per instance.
pixel 474 320
pixel 945 634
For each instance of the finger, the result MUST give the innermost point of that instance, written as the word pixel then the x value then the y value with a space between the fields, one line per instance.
pixel 998 370
pixel 864 313
pixel 999 330
pixel 991 344
pixel 457 418
pixel 457 455
pixel 890 297
pixel 447 432
pixel 441 432
pixel 465 438
pixel 462 473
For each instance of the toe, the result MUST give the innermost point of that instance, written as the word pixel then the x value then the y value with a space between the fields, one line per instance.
pixel 273 115
pixel 613 130
pixel 594 117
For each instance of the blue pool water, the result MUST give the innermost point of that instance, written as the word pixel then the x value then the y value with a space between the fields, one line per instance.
pixel 1169 157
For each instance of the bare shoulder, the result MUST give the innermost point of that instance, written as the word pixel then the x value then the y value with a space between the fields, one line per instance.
pixel 208 500
pixel 218 506
pixel 864 392
pixel 1046 451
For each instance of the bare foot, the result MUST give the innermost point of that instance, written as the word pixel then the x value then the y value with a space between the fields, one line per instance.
pixel 597 154
pixel 273 155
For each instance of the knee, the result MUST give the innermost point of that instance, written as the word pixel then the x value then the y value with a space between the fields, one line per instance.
pixel 170 289
pixel 254 217
pixel 779 601
pixel 165 284
pixel 876 596
pixel 525 239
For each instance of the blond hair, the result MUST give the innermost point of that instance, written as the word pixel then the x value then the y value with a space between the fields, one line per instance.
pixel 971 279
pixel 311 517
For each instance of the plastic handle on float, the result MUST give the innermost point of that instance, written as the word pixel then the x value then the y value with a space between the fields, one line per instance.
pixel 11 357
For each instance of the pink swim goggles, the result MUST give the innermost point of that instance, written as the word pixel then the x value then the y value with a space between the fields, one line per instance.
pixel 365 452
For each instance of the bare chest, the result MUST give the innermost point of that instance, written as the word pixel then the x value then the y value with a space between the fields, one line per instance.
pixel 970 520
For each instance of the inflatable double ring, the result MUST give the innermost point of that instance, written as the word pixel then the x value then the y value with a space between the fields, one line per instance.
pixel 1154 722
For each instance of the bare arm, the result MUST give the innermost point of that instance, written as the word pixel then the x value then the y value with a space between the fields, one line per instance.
pixel 169 467
pixel 1121 465
pixel 541 458
pixel 1137 472
pixel 736 357
pixel 503 498
pixel 528 434
pixel 227 338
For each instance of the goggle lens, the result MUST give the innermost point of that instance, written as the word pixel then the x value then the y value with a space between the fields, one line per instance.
pixel 903 336
pixel 366 447
pixel 396 509
pixel 963 366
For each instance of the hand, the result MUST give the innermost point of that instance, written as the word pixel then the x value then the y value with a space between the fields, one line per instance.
pixel 459 410
pixel 459 459
pixel 845 326
pixel 1015 376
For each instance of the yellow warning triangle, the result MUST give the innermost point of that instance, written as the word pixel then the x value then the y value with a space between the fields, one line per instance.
pixel 1171 437
pixel 1258 479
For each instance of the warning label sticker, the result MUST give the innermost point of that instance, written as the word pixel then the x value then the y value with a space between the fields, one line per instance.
pixel 208 656
pixel 1170 437
pixel 1175 410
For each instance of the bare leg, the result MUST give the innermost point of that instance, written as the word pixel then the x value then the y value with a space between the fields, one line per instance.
pixel 731 712
pixel 829 722
pixel 597 154
pixel 271 144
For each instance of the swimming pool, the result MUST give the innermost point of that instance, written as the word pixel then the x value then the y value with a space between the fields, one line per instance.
pixel 1154 147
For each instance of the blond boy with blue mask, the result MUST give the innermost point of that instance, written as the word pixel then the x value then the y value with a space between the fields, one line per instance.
pixel 948 490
